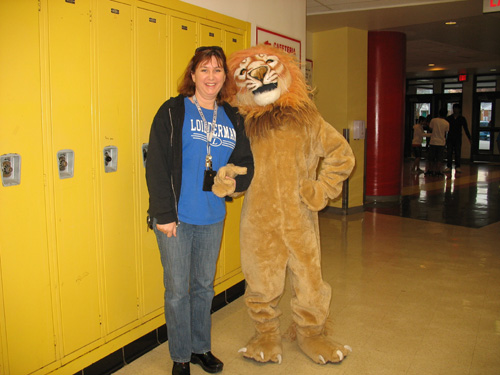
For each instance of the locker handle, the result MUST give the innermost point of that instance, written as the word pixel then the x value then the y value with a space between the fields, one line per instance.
pixel 7 168
pixel 62 163
pixel 145 153
pixel 107 158
pixel 110 155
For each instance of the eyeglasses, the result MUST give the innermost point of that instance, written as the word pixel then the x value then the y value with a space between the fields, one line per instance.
pixel 213 48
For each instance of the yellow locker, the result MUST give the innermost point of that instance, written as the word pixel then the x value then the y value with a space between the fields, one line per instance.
pixel 231 238
pixel 233 42
pixel 183 42
pixel 210 36
pixel 115 150
pixel 27 326
pixel 229 258
pixel 71 157
pixel 152 92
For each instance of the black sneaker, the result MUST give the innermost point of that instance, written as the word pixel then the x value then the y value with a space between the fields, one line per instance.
pixel 208 362
pixel 181 368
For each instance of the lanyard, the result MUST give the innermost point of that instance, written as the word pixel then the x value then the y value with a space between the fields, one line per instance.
pixel 210 132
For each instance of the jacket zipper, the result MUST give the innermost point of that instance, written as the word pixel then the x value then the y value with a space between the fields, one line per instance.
pixel 172 175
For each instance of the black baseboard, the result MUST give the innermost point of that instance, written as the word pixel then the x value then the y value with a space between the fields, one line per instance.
pixel 342 211
pixel 151 340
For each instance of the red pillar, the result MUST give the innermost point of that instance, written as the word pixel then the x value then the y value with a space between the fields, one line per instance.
pixel 385 114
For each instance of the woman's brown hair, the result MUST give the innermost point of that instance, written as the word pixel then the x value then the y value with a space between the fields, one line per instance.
pixel 188 88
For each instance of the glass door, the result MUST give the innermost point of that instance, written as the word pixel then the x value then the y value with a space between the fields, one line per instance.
pixel 486 128
pixel 418 106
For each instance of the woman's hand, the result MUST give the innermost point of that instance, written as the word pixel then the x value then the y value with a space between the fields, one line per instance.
pixel 169 229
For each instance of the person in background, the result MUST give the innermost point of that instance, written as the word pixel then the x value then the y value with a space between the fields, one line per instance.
pixel 454 138
pixel 191 134
pixel 439 127
pixel 428 120
pixel 416 144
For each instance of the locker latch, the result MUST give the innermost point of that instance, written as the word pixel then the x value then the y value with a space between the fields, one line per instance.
pixel 66 163
pixel 110 154
pixel 10 165
pixel 6 168
pixel 62 163
pixel 144 153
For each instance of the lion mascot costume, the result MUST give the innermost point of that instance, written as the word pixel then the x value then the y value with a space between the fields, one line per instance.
pixel 279 220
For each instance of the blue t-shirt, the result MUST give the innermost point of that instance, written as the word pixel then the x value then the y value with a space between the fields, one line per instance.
pixel 196 206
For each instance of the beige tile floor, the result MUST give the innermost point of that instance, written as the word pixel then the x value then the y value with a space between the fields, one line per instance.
pixel 411 297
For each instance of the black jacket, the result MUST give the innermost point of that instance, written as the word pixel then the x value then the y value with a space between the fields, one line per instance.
pixel 456 125
pixel 164 158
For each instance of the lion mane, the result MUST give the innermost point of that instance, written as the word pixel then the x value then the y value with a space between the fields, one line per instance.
pixel 293 107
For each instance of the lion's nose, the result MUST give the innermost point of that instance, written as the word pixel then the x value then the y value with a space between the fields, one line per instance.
pixel 259 73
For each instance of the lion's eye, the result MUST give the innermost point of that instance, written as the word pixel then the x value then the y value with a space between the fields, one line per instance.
pixel 269 61
pixel 242 71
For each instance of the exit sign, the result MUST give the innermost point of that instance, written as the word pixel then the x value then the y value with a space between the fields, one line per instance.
pixel 490 6
pixel 462 77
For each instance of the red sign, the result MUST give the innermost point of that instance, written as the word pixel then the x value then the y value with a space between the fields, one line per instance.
pixel 490 6
pixel 462 77
pixel 283 42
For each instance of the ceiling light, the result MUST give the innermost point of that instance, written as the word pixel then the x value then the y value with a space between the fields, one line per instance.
pixel 493 70
pixel 451 23
pixel 431 64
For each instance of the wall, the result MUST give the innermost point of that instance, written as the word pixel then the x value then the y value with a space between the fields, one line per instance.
pixel 340 78
pixel 263 13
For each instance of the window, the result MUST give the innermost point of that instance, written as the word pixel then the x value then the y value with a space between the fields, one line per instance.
pixel 452 88
pixel 486 84
pixel 424 90
pixel 420 87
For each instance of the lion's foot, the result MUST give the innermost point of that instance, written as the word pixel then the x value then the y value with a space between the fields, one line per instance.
pixel 264 347
pixel 321 349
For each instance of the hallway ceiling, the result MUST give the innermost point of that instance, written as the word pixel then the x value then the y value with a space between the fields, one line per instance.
pixel 472 45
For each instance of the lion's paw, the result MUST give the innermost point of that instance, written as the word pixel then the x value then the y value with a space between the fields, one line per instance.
pixel 321 349
pixel 264 347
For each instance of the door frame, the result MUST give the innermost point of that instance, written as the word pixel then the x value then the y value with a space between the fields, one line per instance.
pixel 476 154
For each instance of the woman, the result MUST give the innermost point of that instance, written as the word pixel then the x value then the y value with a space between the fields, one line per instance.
pixel 185 146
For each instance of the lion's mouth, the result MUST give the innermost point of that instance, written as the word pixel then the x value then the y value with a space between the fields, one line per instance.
pixel 265 88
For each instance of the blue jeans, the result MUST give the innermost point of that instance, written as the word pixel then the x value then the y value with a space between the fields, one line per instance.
pixel 189 262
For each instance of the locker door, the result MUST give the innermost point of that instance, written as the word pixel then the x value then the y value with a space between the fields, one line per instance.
pixel 152 90
pixel 210 36
pixel 233 42
pixel 117 191
pixel 69 55
pixel 231 237
pixel 26 322
pixel 183 44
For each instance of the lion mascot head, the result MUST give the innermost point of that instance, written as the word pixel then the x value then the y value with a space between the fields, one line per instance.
pixel 268 85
